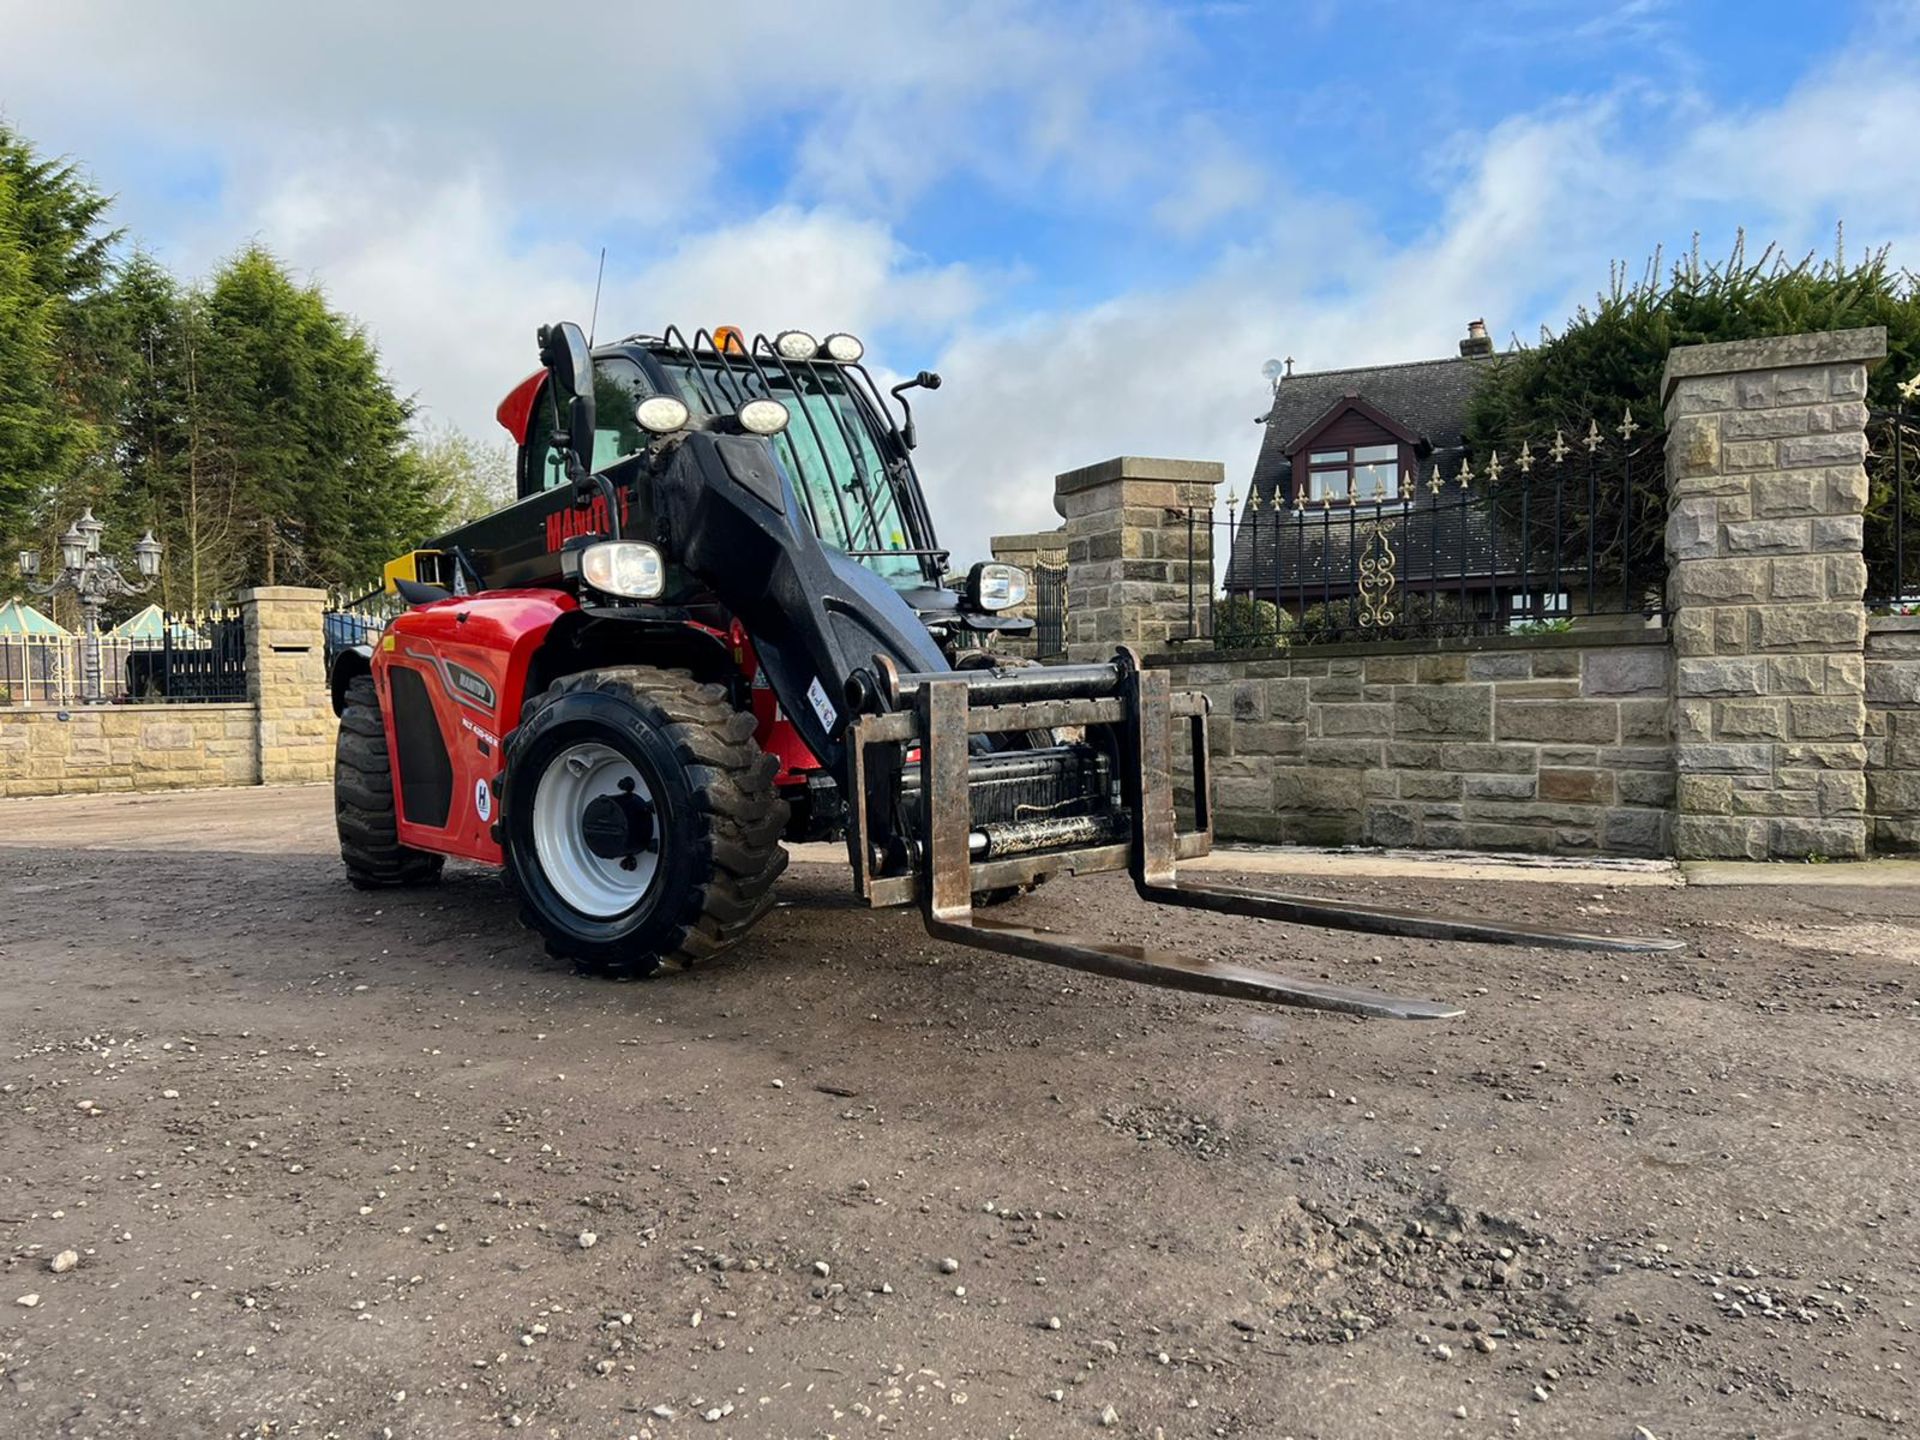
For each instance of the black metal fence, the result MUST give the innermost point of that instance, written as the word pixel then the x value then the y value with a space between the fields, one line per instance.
pixel 1532 537
pixel 198 657
pixel 1050 611
pixel 1893 562
pixel 356 619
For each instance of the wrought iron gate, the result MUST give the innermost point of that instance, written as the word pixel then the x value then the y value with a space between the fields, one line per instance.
pixel 1050 610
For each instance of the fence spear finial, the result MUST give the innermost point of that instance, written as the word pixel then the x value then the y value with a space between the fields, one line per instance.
pixel 1466 472
pixel 1493 469
pixel 1525 459
pixel 1628 425
pixel 1593 436
pixel 1911 390
pixel 1559 447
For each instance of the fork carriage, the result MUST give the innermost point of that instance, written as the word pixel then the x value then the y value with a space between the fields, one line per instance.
pixel 957 842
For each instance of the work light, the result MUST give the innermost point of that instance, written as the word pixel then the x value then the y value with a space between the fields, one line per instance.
pixel 762 417
pixel 661 414
pixel 844 348
pixel 627 568
pixel 993 586
pixel 795 345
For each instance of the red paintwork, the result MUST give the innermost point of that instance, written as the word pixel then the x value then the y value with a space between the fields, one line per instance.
pixel 516 411
pixel 496 636
pixel 776 735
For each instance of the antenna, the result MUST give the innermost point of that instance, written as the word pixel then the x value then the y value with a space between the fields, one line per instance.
pixel 594 319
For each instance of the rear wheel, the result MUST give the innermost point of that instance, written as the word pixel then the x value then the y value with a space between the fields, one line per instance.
pixel 363 804
pixel 641 825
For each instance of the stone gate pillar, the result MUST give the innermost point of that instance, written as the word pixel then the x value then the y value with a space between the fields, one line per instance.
pixel 1765 573
pixel 287 682
pixel 1130 572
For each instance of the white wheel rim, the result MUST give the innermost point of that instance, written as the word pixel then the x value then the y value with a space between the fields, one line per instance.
pixel 593 885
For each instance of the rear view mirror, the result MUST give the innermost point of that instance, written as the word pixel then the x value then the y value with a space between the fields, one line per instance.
pixel 563 350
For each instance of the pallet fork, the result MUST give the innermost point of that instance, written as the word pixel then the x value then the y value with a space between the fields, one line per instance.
pixel 946 859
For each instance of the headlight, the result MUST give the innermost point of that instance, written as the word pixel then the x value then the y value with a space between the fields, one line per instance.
pixel 762 417
pixel 661 414
pixel 795 345
pixel 993 586
pixel 627 568
pixel 844 348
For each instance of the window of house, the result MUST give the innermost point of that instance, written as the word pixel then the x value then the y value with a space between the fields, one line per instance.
pixel 1368 472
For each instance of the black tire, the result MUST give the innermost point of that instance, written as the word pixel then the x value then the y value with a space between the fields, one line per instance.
pixel 363 803
pixel 713 817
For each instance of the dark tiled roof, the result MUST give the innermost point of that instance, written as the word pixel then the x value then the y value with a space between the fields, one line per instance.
pixel 1427 397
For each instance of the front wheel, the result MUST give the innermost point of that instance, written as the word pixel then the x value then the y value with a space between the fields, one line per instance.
pixel 363 808
pixel 641 825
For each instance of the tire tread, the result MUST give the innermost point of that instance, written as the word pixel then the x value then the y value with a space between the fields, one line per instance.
pixel 363 801
pixel 737 815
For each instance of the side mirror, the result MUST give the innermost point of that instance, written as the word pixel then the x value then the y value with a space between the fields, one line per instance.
pixel 925 380
pixel 563 350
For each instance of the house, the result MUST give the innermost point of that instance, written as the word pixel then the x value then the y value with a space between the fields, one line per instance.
pixel 1349 460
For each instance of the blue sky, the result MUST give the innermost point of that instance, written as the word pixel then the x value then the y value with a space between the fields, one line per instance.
pixel 1098 220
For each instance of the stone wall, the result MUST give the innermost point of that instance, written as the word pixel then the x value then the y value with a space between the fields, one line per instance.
pixel 283 733
pixel 287 682
pixel 1893 734
pixel 1767 484
pixel 93 748
pixel 1132 564
pixel 1550 743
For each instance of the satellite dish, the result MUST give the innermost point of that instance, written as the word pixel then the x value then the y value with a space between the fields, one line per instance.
pixel 1273 370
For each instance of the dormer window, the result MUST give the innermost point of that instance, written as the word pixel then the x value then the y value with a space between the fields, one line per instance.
pixel 1353 449
pixel 1364 472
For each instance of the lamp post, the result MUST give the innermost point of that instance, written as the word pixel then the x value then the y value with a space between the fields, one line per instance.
pixel 93 578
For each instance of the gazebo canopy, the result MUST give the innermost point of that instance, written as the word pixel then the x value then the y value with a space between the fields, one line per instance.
pixel 151 624
pixel 19 618
pixel 147 624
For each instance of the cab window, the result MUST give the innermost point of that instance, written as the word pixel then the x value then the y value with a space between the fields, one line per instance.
pixel 619 386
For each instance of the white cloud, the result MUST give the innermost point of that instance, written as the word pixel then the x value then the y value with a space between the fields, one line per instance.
pixel 1538 207
pixel 449 172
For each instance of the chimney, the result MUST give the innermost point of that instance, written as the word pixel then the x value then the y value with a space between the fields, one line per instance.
pixel 1478 342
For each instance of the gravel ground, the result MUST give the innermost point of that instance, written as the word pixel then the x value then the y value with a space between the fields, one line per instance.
pixel 279 1158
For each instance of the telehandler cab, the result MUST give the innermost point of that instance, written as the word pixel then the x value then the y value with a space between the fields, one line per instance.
pixel 715 618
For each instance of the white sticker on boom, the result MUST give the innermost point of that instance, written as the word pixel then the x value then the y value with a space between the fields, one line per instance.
pixel 822 706
pixel 482 800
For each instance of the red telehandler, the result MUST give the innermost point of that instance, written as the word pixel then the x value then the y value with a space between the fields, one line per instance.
pixel 715 618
